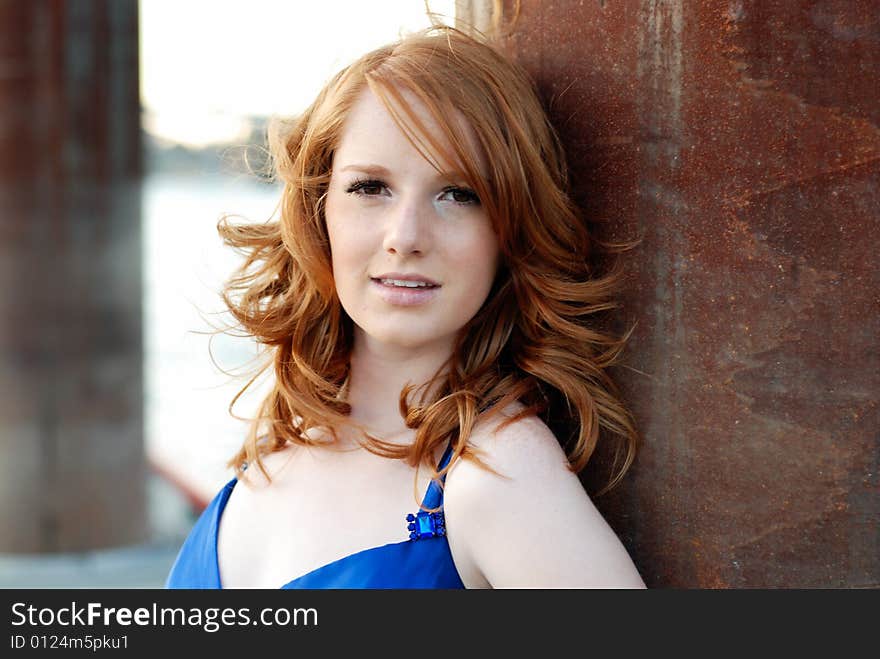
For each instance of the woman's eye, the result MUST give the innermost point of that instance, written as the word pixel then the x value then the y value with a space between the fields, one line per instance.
pixel 366 188
pixel 461 195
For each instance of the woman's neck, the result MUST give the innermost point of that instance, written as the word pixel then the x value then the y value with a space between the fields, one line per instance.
pixel 378 374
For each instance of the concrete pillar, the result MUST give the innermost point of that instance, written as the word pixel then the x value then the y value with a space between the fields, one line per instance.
pixel 71 437
pixel 741 140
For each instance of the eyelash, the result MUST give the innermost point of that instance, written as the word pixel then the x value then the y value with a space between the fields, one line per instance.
pixel 358 186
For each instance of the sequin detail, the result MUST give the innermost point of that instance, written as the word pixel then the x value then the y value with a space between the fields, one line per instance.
pixel 426 525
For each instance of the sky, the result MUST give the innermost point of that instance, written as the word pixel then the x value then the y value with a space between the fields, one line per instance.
pixel 207 63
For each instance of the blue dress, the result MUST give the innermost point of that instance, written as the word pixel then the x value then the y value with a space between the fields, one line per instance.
pixel 423 561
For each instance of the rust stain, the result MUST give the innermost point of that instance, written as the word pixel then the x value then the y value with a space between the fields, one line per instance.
pixel 738 140
pixel 745 198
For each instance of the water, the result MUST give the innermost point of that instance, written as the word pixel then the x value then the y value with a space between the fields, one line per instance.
pixel 189 432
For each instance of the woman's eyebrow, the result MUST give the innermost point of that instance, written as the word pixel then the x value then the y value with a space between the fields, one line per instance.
pixel 378 170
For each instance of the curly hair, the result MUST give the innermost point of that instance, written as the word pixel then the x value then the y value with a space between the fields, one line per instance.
pixel 536 340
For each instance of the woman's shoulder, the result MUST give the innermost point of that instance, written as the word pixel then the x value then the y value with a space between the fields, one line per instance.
pixel 513 448
pixel 258 486
pixel 253 508
pixel 255 488
pixel 477 501
pixel 533 502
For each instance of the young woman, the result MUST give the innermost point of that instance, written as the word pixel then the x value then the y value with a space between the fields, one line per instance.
pixel 425 299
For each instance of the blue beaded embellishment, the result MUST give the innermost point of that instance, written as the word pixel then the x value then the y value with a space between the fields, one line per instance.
pixel 426 525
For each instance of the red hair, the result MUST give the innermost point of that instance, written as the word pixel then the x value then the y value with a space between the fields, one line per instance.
pixel 534 340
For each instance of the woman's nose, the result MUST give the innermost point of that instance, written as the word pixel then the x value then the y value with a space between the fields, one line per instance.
pixel 407 227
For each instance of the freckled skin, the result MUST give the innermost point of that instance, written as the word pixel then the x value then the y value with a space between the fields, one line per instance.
pixel 406 217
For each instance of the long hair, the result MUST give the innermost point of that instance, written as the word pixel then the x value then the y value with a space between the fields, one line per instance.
pixel 535 340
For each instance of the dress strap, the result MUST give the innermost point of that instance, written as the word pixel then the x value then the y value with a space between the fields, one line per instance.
pixel 429 525
pixel 434 495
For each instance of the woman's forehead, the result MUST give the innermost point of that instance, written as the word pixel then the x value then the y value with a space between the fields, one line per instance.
pixel 411 116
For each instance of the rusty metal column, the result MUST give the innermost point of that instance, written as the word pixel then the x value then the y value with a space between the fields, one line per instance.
pixel 71 438
pixel 740 139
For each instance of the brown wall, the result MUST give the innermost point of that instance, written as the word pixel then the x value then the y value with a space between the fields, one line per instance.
pixel 71 437
pixel 740 139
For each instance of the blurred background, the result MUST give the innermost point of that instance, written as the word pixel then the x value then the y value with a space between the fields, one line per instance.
pixel 211 74
pixel 130 126
pixel 740 139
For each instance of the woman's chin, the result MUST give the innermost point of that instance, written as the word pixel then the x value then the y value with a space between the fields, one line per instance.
pixel 407 338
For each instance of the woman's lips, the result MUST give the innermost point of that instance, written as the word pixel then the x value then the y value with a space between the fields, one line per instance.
pixel 405 297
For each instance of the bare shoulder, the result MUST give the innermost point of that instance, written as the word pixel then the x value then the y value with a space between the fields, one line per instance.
pixel 253 492
pixel 274 464
pixel 525 450
pixel 525 445
pixel 252 509
pixel 532 524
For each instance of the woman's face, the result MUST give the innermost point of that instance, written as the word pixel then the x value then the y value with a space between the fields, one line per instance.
pixel 396 222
